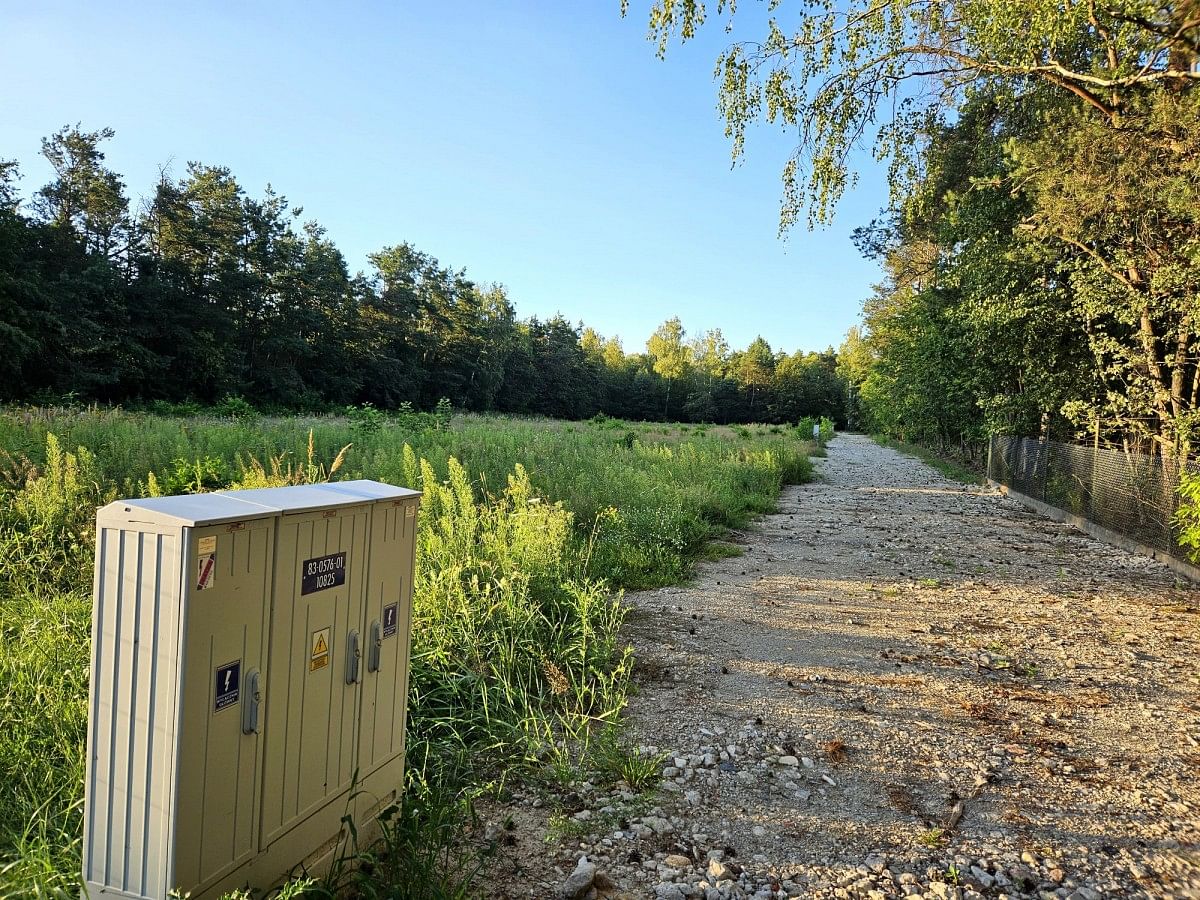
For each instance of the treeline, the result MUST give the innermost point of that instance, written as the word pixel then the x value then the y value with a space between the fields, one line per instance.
pixel 1043 272
pixel 204 292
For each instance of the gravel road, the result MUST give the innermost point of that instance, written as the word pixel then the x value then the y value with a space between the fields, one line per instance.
pixel 904 687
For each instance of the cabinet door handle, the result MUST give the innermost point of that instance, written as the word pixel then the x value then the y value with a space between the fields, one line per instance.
pixel 375 652
pixel 250 707
pixel 353 655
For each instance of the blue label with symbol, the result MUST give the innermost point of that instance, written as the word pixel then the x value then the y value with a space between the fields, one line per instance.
pixel 390 617
pixel 229 685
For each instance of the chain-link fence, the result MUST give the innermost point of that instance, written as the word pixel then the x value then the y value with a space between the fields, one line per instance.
pixel 1130 493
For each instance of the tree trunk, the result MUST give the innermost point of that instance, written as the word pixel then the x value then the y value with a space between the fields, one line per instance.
pixel 1154 366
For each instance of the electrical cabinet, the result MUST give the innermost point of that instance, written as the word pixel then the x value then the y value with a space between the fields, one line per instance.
pixel 386 640
pixel 249 656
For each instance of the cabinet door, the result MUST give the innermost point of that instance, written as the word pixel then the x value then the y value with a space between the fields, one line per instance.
pixel 226 605
pixel 389 614
pixel 312 700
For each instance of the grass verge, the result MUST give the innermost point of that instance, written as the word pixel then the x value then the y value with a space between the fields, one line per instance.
pixel 954 469
pixel 528 532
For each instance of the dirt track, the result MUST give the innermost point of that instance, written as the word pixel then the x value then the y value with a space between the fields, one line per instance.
pixel 901 679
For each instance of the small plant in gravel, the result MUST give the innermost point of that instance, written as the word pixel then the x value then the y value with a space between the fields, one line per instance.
pixel 836 750
pixel 615 760
pixel 717 550
pixel 932 838
pixel 560 828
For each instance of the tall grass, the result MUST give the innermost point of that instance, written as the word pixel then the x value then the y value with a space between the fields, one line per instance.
pixel 528 531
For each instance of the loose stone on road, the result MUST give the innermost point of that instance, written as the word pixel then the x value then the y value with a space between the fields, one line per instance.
pixel 904 687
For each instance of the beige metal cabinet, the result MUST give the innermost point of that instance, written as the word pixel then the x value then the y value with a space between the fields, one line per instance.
pixel 178 623
pixel 225 646
pixel 387 636
pixel 315 677
pixel 250 654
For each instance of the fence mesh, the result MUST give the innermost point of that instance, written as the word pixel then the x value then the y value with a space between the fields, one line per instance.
pixel 1133 494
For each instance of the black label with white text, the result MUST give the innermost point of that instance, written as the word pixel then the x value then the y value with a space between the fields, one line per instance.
pixel 322 573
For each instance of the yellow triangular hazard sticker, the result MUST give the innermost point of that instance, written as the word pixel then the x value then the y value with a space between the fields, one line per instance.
pixel 320 647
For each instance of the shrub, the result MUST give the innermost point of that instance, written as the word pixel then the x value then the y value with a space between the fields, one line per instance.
pixel 365 418
pixel 1187 516
pixel 235 407
pixel 443 412
pixel 203 474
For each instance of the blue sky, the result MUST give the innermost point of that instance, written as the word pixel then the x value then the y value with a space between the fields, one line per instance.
pixel 540 145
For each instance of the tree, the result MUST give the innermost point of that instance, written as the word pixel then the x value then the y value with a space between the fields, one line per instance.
pixel 670 355
pixel 709 358
pixel 592 343
pixel 755 369
pixel 85 197
pixel 710 353
pixel 9 175
pixel 1092 187
pixel 23 296
pixel 1124 204
pixel 884 69
pixel 211 291
pixel 195 233
pixel 808 384
pixel 614 353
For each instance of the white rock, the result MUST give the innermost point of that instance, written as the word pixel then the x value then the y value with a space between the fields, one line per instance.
pixel 984 878
pixel 717 870
pixel 579 882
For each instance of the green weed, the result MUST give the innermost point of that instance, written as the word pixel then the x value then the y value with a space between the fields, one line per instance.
pixel 932 838
pixel 614 760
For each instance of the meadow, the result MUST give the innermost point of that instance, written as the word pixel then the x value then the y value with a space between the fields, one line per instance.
pixel 529 531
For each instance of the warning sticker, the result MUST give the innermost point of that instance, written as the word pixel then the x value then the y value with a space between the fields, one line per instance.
pixel 207 545
pixel 318 658
pixel 229 685
pixel 390 615
pixel 410 512
pixel 206 568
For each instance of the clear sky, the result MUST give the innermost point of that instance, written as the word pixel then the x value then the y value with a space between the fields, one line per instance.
pixel 538 144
